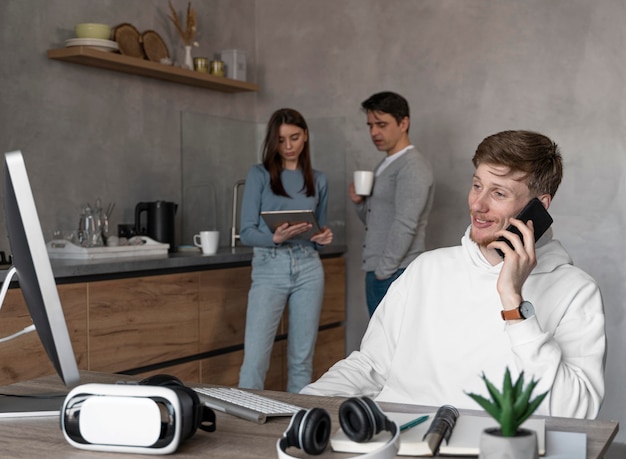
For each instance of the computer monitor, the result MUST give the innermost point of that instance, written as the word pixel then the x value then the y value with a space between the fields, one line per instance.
pixel 33 269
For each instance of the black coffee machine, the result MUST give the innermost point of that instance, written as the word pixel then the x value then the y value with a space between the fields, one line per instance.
pixel 159 222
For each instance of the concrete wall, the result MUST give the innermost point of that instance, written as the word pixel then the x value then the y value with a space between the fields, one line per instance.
pixel 88 133
pixel 469 68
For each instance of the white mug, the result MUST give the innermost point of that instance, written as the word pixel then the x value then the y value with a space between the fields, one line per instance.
pixel 207 241
pixel 363 182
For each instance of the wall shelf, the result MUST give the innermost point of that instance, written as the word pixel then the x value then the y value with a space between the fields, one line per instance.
pixel 112 61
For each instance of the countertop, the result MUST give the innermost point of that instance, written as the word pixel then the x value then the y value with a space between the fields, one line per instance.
pixel 68 271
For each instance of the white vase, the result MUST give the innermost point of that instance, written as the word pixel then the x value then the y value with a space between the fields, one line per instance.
pixel 188 62
pixel 494 446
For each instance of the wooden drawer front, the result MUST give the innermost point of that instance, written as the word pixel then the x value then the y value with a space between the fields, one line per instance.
pixel 223 302
pixel 329 349
pixel 141 321
pixel 24 357
pixel 334 307
pixel 224 369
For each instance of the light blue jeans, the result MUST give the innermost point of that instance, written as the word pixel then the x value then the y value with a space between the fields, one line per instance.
pixel 292 275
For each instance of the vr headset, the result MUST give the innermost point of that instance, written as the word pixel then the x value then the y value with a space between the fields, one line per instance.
pixel 152 417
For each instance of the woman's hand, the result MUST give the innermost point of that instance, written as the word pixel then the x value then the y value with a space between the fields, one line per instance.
pixel 286 231
pixel 323 238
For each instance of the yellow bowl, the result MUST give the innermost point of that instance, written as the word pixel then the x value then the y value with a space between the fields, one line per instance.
pixel 91 30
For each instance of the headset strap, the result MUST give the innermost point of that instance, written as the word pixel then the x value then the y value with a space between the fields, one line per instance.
pixel 207 422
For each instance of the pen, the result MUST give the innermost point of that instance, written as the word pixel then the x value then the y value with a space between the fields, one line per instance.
pixel 413 423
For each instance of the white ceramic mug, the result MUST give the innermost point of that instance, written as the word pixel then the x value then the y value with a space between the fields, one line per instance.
pixel 363 182
pixel 207 241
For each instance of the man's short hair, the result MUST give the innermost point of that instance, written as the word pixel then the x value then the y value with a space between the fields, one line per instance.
pixel 530 152
pixel 388 102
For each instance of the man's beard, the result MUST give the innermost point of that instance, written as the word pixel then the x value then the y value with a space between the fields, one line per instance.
pixel 483 242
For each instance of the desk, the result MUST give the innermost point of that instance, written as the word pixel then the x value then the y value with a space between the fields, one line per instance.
pixel 234 437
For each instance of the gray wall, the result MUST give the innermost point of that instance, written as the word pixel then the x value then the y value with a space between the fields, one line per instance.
pixel 86 132
pixel 469 68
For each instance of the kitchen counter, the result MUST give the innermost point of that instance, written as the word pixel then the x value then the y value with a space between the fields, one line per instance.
pixel 181 314
pixel 69 271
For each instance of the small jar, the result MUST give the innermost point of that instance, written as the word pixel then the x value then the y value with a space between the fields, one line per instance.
pixel 217 68
pixel 201 64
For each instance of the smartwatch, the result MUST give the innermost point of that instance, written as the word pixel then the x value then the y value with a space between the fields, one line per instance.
pixel 523 311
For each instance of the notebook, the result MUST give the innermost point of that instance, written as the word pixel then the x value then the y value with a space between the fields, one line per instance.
pixel 463 441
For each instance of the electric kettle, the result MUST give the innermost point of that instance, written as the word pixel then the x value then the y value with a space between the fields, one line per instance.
pixel 159 221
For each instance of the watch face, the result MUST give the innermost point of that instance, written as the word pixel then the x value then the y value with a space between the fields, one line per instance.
pixel 526 309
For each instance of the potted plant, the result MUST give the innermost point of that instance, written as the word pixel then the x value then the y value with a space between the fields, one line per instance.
pixel 510 408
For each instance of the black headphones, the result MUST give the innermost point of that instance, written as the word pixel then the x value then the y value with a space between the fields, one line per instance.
pixel 361 419
pixel 195 415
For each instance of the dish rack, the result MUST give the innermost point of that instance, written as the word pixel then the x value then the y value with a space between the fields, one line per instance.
pixel 63 249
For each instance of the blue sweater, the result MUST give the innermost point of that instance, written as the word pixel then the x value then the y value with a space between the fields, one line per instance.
pixel 258 196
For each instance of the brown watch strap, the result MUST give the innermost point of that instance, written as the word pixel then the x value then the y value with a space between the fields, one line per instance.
pixel 512 314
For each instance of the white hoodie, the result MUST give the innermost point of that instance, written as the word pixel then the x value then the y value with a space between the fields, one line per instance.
pixel 439 328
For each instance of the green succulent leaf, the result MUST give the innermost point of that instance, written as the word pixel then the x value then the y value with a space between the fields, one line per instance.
pixel 507 385
pixel 519 385
pixel 507 421
pixel 495 394
pixel 521 404
pixel 532 406
pixel 487 405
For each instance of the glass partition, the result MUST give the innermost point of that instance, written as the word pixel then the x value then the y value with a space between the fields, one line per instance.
pixel 216 154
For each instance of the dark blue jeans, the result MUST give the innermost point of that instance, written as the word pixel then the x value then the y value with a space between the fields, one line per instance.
pixel 376 289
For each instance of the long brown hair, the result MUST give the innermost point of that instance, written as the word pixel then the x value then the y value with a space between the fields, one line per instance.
pixel 273 162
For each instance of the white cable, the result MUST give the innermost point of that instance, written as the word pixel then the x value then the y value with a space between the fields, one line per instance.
pixel 26 330
pixel 3 292
pixel 12 271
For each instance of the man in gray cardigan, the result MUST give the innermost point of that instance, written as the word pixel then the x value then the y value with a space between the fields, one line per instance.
pixel 396 212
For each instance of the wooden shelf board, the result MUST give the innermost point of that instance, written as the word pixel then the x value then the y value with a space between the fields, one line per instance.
pixel 113 61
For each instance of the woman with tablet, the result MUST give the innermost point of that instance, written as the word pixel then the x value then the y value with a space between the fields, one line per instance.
pixel 286 268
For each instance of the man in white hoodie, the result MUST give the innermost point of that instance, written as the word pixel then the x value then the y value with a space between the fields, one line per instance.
pixel 457 312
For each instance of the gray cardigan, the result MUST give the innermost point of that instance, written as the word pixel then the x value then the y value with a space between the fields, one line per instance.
pixel 396 214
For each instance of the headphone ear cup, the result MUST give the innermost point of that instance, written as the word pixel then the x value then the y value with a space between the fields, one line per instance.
pixel 291 434
pixel 361 418
pixel 315 431
pixel 309 431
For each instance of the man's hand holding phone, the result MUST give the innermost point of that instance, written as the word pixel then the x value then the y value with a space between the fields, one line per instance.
pixel 519 262
pixel 516 245
pixel 535 212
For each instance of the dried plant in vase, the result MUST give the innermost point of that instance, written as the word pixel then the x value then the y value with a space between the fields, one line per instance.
pixel 187 32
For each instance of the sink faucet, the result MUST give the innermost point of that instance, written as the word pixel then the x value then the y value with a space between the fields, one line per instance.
pixel 234 235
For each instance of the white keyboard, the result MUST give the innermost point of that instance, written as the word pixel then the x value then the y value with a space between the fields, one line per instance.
pixel 246 405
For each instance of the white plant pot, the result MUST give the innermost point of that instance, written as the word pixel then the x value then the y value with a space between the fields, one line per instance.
pixel 494 446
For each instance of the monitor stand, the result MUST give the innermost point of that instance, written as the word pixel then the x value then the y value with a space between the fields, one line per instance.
pixel 17 406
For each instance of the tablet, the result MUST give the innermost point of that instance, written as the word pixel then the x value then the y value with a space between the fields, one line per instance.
pixel 275 218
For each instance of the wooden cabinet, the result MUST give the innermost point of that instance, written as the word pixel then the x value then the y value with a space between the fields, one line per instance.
pixel 223 301
pixel 24 357
pixel 142 321
pixel 189 324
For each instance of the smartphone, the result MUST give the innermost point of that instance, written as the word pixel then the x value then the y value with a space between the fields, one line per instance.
pixel 540 217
